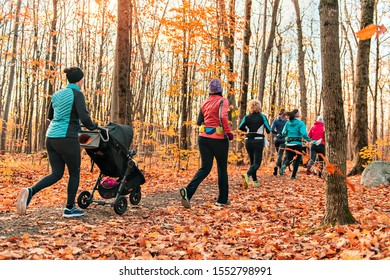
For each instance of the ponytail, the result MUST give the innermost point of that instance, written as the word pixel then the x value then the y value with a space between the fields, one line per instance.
pixel 292 115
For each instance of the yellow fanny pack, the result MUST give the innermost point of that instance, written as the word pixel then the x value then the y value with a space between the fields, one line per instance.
pixel 210 130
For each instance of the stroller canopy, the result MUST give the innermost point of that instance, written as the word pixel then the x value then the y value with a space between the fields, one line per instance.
pixel 111 156
pixel 122 133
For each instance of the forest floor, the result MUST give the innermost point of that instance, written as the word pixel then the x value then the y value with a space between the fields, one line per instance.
pixel 280 220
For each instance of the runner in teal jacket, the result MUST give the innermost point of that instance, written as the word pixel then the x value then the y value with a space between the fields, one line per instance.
pixel 294 131
pixel 66 110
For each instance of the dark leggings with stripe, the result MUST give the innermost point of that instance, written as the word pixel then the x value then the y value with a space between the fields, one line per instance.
pixel 62 151
pixel 254 147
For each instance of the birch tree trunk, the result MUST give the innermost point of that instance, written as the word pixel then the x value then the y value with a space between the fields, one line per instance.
pixel 376 84
pixel 337 209
pixel 375 96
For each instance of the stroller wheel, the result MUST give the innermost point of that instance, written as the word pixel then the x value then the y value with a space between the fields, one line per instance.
pixel 84 199
pixel 120 205
pixel 135 196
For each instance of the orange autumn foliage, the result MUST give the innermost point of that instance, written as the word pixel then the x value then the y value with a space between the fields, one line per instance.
pixel 281 219
pixel 368 31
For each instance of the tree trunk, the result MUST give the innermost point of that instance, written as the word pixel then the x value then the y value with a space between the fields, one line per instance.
pixel 146 65
pixel 277 83
pixel 301 62
pixel 377 78
pixel 375 97
pixel 97 97
pixel 265 55
pixel 312 69
pixel 51 74
pixel 184 94
pixel 360 118
pixel 28 131
pixel 245 59
pixel 337 209
pixel 280 73
pixel 228 25
pixel 121 99
pixel 7 104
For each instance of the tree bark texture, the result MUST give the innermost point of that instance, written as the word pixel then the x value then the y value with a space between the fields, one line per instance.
pixel 245 59
pixel 184 88
pixel 360 115
pixel 7 104
pixel 121 99
pixel 228 25
pixel 301 62
pixel 377 78
pixel 337 209
pixel 267 52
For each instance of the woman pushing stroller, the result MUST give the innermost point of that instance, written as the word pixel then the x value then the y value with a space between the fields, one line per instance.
pixel 67 109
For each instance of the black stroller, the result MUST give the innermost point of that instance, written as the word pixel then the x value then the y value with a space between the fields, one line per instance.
pixel 109 149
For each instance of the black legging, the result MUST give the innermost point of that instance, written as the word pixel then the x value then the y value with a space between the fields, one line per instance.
pixel 314 151
pixel 62 151
pixel 290 156
pixel 279 146
pixel 254 147
pixel 210 148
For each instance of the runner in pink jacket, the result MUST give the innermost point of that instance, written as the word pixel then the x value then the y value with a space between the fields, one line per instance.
pixel 213 140
pixel 316 132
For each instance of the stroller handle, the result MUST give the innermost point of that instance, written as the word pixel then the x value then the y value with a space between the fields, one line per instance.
pixel 101 135
pixel 100 129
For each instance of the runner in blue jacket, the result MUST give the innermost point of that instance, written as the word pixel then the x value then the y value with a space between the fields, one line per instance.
pixel 276 129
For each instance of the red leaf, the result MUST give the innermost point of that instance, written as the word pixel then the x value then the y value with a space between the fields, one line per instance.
pixel 351 185
pixel 381 29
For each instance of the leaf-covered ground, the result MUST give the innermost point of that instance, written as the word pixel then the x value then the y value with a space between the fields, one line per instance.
pixel 279 220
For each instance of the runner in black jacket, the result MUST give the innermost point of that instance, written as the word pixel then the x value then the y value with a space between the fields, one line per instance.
pixel 254 124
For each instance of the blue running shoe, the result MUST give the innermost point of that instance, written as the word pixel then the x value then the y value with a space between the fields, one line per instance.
pixel 74 212
pixel 23 201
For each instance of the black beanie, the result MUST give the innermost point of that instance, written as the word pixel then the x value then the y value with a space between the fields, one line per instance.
pixel 74 74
